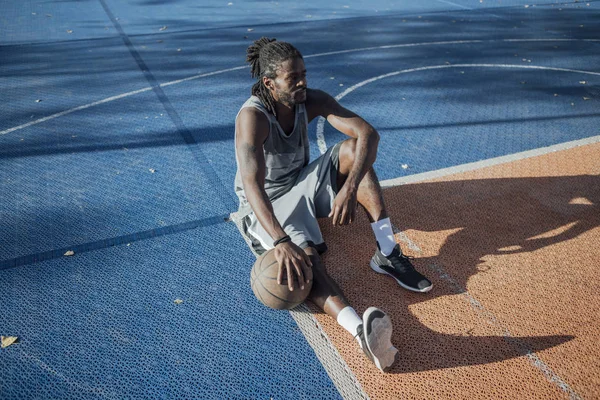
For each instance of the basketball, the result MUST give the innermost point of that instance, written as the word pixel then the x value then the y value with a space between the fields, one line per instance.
pixel 263 280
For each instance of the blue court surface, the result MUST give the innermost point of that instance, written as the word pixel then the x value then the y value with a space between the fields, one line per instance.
pixel 116 143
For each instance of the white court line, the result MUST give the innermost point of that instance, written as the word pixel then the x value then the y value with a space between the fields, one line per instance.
pixel 123 95
pixel 471 9
pixel 535 361
pixel 321 123
pixel 487 163
pixel 109 99
pixel 456 5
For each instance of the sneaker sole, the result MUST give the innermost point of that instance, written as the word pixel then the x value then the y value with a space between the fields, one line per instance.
pixel 379 340
pixel 376 268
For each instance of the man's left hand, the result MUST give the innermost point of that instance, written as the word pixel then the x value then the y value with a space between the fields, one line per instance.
pixel 344 206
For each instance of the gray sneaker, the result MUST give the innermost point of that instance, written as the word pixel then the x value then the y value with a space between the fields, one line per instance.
pixel 375 336
pixel 399 267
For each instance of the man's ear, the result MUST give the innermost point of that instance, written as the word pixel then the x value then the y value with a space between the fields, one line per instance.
pixel 268 82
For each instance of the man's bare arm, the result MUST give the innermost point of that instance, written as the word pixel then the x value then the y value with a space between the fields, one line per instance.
pixel 252 129
pixel 367 139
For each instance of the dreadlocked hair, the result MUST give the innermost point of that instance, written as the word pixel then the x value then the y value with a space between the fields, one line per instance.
pixel 264 56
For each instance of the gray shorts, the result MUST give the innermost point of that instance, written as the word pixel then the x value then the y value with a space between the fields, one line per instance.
pixel 297 211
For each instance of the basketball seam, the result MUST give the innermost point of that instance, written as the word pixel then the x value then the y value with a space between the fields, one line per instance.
pixel 274 295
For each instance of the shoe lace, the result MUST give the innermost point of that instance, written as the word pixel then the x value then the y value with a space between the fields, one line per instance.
pixel 402 262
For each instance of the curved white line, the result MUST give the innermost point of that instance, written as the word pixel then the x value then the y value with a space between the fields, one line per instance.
pixel 321 123
pixel 109 99
pixel 123 95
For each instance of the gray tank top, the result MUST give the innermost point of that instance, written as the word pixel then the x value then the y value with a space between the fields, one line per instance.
pixel 285 156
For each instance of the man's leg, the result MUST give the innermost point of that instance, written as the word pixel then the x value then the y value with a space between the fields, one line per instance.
pixel 373 332
pixel 388 258
pixel 325 292
pixel 370 195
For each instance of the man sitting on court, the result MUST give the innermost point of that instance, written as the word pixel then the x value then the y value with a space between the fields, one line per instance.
pixel 281 194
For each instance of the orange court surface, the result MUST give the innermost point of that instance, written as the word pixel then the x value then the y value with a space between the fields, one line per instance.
pixel 513 251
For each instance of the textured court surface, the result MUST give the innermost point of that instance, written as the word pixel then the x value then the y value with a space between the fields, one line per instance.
pixel 116 142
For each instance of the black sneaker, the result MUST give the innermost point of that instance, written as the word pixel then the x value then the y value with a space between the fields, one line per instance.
pixel 375 336
pixel 398 266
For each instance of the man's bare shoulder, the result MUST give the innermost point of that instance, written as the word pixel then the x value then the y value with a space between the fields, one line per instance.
pixel 252 124
pixel 317 101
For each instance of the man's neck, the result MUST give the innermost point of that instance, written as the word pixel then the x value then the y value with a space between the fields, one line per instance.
pixel 284 111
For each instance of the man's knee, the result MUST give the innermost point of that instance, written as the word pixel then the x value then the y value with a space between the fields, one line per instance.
pixel 347 155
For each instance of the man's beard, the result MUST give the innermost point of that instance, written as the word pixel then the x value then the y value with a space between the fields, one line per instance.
pixel 288 98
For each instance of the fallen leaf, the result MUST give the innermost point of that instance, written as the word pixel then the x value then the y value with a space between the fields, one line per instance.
pixel 341 84
pixel 178 301
pixel 69 31
pixel 8 340
pixel 152 170
pixel 38 101
pixel 404 166
pixel 69 253
pixel 583 82
pixel 164 28
pixel 250 29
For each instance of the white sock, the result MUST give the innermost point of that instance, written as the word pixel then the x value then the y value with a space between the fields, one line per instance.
pixel 349 320
pixel 384 235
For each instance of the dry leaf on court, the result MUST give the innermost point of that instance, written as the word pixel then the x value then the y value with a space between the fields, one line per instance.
pixel 69 31
pixel 583 82
pixel 164 28
pixel 152 170
pixel 8 340
pixel 178 301
pixel 69 253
